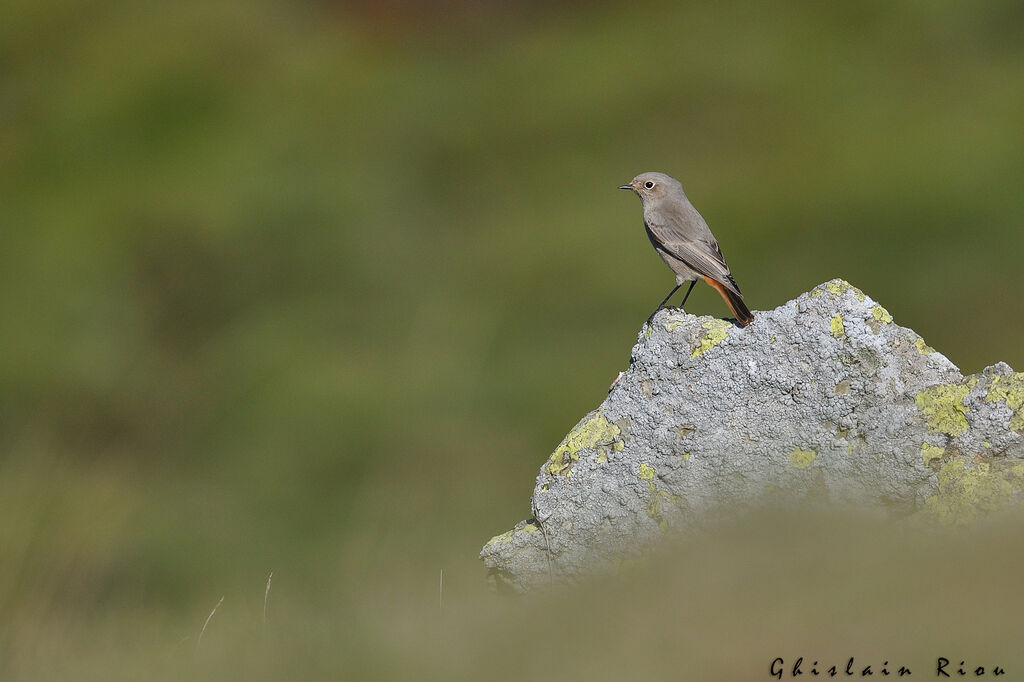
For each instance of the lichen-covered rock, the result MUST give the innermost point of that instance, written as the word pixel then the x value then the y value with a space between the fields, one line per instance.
pixel 824 399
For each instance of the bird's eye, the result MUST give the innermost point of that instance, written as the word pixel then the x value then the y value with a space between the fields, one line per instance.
pixel 648 184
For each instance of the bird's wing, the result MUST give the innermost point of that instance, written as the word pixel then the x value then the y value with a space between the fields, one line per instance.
pixel 688 238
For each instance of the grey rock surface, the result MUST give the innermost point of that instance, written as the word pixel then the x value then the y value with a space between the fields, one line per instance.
pixel 822 400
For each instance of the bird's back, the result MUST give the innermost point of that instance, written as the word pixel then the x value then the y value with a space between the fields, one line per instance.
pixel 676 228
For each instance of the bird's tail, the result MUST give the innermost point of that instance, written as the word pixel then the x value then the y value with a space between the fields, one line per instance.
pixel 734 301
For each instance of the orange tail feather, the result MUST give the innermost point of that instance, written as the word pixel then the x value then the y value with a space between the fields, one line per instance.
pixel 735 302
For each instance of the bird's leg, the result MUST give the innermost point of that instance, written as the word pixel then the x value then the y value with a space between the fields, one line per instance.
pixel 660 305
pixel 687 293
pixel 670 295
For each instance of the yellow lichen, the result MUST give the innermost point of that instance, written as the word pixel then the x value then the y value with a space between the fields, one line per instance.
pixel 718 330
pixel 881 314
pixel 654 508
pixel 669 326
pixel 837 326
pixel 801 459
pixel 1009 389
pixel 501 539
pixel 944 409
pixel 922 347
pixel 594 432
pixel 647 474
pixel 969 493
pixel 507 536
pixel 838 287
pixel 931 452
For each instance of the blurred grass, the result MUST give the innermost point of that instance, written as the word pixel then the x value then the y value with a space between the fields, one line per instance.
pixel 723 607
pixel 312 289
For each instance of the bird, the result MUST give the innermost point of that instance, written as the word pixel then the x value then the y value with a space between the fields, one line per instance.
pixel 684 241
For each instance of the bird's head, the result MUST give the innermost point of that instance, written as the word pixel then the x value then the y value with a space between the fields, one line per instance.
pixel 651 185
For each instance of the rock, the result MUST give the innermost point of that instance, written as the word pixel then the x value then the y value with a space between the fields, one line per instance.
pixel 822 400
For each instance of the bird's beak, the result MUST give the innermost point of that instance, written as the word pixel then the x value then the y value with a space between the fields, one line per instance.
pixel 625 186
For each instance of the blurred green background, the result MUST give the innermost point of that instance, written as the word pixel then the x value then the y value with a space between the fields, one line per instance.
pixel 313 288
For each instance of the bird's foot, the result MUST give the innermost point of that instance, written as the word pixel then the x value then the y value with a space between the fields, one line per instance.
pixel 650 317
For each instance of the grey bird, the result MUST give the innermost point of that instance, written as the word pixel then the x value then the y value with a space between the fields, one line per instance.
pixel 684 241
